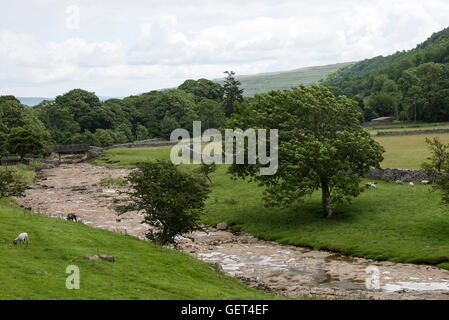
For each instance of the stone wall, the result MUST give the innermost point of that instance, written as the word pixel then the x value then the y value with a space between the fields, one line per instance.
pixel 143 143
pixel 397 174
pixel 94 152
pixel 407 132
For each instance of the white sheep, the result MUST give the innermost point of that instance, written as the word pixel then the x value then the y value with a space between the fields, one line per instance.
pixel 372 185
pixel 412 184
pixel 22 239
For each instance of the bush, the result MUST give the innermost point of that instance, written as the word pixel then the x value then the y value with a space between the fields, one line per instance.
pixel 9 185
pixel 171 200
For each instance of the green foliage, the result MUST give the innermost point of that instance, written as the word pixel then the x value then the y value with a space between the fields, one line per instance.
pixel 437 167
pixel 23 141
pixel 103 137
pixel 232 93
pixel 206 170
pixel 211 114
pixel 171 200
pixel 203 88
pixel 382 104
pixel 168 124
pixel 141 133
pixel 114 182
pixel 321 145
pixel 11 111
pixel 10 185
pixel 428 87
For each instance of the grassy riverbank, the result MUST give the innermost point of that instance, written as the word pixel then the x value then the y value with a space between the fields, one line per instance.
pixel 141 270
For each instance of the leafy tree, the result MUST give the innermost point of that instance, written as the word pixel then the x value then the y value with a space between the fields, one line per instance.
pixel 321 145
pixel 85 108
pixel 203 88
pixel 382 104
pixel 86 137
pixel 427 86
pixel 437 167
pixel 141 133
pixel 23 141
pixel 168 124
pixel 104 138
pixel 171 200
pixel 211 114
pixel 10 185
pixel 3 138
pixel 11 111
pixel 232 92
pixel 206 169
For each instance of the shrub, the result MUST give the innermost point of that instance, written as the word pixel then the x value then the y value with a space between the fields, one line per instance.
pixel 171 200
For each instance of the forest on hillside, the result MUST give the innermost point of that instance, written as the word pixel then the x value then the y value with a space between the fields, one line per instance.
pixel 411 85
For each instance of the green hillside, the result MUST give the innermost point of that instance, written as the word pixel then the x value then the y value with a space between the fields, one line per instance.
pixel 411 85
pixel 141 270
pixel 360 76
pixel 264 82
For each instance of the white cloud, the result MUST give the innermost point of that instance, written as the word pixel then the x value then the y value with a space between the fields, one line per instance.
pixel 125 48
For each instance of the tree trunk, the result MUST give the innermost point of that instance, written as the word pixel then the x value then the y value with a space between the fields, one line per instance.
pixel 327 211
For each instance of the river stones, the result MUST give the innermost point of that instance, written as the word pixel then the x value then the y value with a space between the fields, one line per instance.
pixel 223 226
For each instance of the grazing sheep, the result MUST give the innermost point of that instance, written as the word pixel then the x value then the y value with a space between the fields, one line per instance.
pixel 372 185
pixel 425 182
pixel 22 239
pixel 72 217
pixel 399 182
pixel 412 184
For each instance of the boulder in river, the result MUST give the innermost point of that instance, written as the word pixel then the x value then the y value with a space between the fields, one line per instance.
pixel 222 226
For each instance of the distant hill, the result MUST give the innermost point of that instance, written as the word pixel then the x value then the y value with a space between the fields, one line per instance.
pixel 264 82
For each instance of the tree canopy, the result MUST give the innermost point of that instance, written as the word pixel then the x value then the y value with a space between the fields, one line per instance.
pixel 321 145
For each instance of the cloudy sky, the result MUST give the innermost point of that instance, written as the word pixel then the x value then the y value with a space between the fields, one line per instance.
pixel 117 48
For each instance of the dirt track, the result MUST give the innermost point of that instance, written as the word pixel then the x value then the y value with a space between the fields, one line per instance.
pixel 290 270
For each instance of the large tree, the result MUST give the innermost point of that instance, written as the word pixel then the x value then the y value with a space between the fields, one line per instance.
pixel 321 145
pixel 203 88
pixel 232 93
pixel 426 90
pixel 23 141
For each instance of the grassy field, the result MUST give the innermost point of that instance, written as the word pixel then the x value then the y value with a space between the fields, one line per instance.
pixel 394 222
pixel 407 152
pixel 264 82
pixel 141 270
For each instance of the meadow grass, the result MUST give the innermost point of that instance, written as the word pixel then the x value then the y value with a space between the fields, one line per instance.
pixel 141 270
pixel 394 222
pixel 409 151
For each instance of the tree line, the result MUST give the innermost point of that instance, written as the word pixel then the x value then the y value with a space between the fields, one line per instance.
pixel 80 117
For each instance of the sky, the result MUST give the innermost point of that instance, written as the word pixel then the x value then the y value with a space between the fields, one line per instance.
pixel 119 48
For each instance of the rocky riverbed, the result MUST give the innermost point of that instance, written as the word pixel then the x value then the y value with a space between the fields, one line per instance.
pixel 283 269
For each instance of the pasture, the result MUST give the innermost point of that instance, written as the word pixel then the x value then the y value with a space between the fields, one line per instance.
pixel 141 270
pixel 394 222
